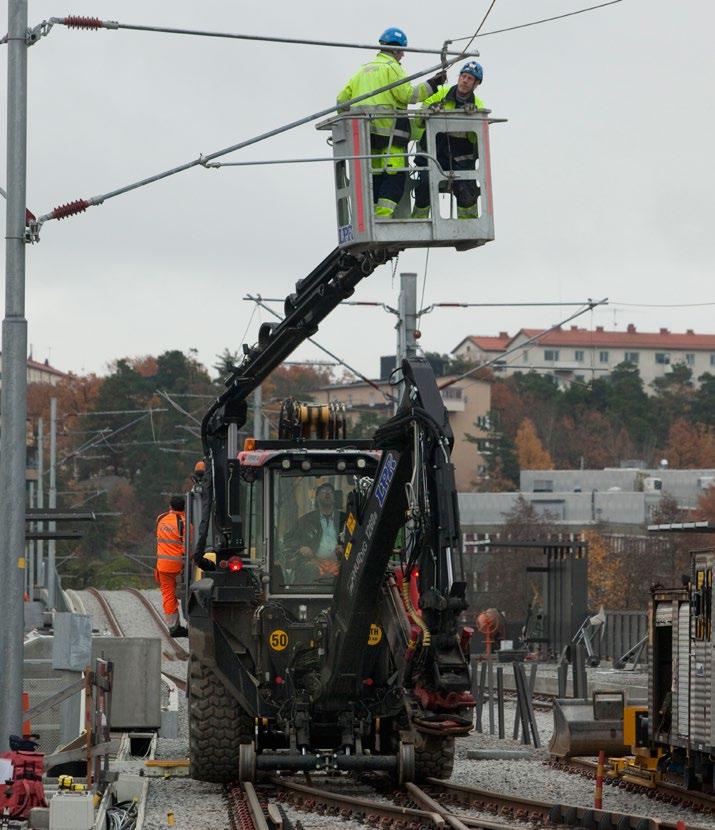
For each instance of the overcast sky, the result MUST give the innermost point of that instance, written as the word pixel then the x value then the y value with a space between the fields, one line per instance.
pixel 603 176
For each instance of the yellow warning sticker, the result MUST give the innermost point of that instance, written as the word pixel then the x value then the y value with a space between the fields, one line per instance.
pixel 375 635
pixel 348 549
pixel 350 523
pixel 278 639
pixel 21 562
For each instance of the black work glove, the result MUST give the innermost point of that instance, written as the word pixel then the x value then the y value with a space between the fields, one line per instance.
pixel 204 564
pixel 437 79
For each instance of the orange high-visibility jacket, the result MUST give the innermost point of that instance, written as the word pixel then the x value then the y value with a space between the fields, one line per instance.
pixel 170 542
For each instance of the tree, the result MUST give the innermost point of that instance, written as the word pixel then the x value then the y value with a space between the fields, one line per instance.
pixel 674 393
pixel 443 364
pixel 703 405
pixel 529 450
pixel 690 445
pixel 606 583
pixel 667 510
pixel 226 362
pixel 497 449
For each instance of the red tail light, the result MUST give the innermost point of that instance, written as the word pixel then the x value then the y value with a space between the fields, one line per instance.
pixel 235 563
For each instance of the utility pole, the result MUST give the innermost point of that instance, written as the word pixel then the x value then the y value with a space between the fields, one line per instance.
pixel 40 567
pixel 51 575
pixel 13 452
pixel 406 325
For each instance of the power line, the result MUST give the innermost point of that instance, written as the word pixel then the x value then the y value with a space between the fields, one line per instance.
pixel 663 305
pixel 543 20
pixel 533 339
pixel 259 301
pixel 77 22
pixel 81 205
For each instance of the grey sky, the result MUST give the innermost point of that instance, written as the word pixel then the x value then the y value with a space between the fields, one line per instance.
pixel 603 177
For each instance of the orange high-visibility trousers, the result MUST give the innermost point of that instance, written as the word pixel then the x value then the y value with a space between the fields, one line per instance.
pixel 167 584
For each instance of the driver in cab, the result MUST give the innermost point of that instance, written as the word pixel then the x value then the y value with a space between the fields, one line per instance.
pixel 315 537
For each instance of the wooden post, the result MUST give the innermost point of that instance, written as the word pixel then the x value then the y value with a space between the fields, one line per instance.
pixel 598 796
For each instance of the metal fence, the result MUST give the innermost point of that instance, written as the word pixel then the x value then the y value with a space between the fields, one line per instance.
pixel 621 632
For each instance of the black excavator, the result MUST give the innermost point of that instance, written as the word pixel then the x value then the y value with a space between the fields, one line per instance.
pixel 332 646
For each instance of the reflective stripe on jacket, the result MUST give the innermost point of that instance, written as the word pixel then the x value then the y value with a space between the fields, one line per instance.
pixel 170 542
pixel 384 69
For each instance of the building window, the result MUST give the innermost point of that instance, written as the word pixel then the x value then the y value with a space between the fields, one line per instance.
pixel 690 359
pixel 603 357
pixel 551 355
pixel 662 358
pixel 579 378
pixel 525 355
pixel 631 357
pixel 452 393
pixel 712 359
pixel 578 356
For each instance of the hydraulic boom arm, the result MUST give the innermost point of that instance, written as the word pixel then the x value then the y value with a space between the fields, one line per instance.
pixel 315 297
pixel 414 486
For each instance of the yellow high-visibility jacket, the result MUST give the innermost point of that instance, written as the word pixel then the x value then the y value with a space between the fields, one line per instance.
pixel 383 69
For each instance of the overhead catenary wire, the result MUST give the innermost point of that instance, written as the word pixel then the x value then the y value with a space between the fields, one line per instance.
pixel 536 337
pixel 259 301
pixel 543 20
pixel 80 205
pixel 94 23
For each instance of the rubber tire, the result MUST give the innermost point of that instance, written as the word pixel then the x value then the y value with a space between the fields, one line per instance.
pixel 217 727
pixel 434 758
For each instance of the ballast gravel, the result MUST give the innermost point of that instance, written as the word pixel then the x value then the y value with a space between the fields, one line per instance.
pixel 200 806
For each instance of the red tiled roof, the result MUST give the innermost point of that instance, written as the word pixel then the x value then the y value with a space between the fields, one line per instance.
pixel 45 367
pixel 488 343
pixel 628 339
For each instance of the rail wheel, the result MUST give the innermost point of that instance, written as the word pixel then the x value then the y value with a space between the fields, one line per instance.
pixel 434 757
pixel 217 727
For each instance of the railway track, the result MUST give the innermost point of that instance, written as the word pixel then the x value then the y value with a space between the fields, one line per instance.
pixel 666 792
pixel 418 808
pixel 176 650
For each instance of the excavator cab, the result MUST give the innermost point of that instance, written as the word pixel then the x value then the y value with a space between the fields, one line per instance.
pixel 465 179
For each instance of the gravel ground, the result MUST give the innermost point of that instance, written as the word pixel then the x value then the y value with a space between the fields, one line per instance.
pixel 201 806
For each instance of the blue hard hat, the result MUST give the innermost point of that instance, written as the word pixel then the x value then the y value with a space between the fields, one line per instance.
pixel 474 69
pixel 393 37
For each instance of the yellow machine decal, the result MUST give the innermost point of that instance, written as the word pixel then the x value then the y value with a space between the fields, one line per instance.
pixel 350 523
pixel 348 548
pixel 375 635
pixel 278 639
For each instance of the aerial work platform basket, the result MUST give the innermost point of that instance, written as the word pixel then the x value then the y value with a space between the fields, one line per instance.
pixel 357 166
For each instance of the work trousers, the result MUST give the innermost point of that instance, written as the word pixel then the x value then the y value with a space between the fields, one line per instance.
pixel 167 585
pixel 466 192
pixel 389 176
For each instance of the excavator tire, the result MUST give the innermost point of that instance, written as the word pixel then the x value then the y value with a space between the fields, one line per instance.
pixel 434 758
pixel 217 727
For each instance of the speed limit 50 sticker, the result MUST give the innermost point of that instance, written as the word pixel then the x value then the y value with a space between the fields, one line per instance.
pixel 278 639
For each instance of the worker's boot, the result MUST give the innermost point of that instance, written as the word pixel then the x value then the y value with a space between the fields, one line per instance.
pixel 179 631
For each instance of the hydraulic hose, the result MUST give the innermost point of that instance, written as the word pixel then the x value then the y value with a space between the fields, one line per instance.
pixel 413 615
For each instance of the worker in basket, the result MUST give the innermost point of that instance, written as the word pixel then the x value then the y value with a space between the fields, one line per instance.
pixel 455 150
pixel 389 135
pixel 170 530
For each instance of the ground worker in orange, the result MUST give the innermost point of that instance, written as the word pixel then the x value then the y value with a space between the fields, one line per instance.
pixel 170 530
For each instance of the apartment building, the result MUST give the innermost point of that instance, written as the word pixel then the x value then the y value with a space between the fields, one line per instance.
pixel 40 372
pixel 581 354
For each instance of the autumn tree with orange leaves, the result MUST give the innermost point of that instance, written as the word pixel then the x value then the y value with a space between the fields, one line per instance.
pixel 530 451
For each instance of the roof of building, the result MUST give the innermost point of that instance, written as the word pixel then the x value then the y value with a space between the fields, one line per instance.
pixel 630 338
pixel 43 366
pixel 487 343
